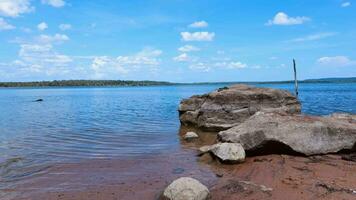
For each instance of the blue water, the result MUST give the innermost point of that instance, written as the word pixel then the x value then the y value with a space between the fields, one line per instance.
pixel 74 124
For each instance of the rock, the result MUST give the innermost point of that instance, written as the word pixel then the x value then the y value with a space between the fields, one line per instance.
pixel 229 152
pixel 309 135
pixel 205 149
pixel 230 106
pixel 186 188
pixel 190 135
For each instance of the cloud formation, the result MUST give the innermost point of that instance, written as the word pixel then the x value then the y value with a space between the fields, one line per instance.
pixel 188 48
pixel 282 18
pixel 199 24
pixel 105 65
pixel 56 38
pixel 313 37
pixel 197 36
pixel 42 26
pixel 5 26
pixel 14 8
pixel 336 61
pixel 346 4
pixel 54 3
pixel 64 27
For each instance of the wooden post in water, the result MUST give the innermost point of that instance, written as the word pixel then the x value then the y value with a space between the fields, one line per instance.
pixel 295 78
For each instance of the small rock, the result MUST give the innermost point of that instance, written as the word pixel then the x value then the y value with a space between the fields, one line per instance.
pixel 186 188
pixel 190 135
pixel 229 152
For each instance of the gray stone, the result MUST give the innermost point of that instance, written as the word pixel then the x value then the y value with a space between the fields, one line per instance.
pixel 229 152
pixel 190 135
pixel 228 107
pixel 186 188
pixel 308 135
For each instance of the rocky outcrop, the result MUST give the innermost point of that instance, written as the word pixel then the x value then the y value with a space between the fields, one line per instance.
pixel 185 188
pixel 308 135
pixel 230 106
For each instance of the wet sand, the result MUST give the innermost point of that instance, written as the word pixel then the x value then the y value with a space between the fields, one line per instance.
pixel 259 177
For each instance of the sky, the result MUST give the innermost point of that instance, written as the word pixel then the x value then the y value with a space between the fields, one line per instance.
pixel 176 40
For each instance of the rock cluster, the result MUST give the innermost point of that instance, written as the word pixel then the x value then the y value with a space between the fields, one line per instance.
pixel 228 107
pixel 256 117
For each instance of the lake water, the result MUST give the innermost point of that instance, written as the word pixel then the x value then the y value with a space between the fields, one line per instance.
pixel 74 124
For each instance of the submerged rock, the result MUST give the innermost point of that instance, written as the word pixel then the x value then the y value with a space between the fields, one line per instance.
pixel 308 135
pixel 186 188
pixel 190 136
pixel 230 106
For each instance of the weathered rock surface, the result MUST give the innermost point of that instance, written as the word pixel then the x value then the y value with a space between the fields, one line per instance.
pixel 190 136
pixel 308 135
pixel 229 152
pixel 186 188
pixel 228 107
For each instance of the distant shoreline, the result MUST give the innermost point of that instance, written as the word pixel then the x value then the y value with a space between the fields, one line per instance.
pixel 124 83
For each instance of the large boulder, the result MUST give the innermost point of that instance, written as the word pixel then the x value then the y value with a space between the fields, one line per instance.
pixel 308 135
pixel 185 188
pixel 230 106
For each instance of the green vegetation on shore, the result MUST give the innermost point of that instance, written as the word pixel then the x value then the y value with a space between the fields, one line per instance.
pixel 115 83
pixel 82 83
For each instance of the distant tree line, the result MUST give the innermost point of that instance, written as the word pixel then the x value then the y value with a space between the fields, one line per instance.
pixel 82 83
pixel 113 83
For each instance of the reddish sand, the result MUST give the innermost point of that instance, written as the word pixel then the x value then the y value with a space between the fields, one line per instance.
pixel 260 177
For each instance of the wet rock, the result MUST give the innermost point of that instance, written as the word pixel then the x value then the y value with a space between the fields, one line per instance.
pixel 230 106
pixel 228 152
pixel 308 135
pixel 190 136
pixel 186 188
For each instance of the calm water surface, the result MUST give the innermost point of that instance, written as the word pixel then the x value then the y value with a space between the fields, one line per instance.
pixel 74 124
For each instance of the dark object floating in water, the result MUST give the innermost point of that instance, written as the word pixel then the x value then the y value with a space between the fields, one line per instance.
pixel 38 100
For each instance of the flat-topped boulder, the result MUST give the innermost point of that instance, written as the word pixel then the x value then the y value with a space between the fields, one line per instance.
pixel 230 106
pixel 308 135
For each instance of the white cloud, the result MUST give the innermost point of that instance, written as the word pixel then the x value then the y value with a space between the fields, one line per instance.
pixel 199 24
pixel 65 27
pixel 231 65
pixel 282 18
pixel 56 38
pixel 104 65
pixel 41 59
pixel 188 48
pixel 5 26
pixel 42 26
pixel 200 67
pixel 336 61
pixel 54 3
pixel 197 36
pixel 313 37
pixel 182 58
pixel 346 4
pixel 14 8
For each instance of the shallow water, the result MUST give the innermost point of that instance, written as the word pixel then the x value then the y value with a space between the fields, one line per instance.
pixel 74 124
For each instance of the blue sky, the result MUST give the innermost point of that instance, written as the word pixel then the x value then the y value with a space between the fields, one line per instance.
pixel 176 40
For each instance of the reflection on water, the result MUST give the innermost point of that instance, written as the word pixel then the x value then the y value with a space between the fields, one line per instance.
pixel 73 124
